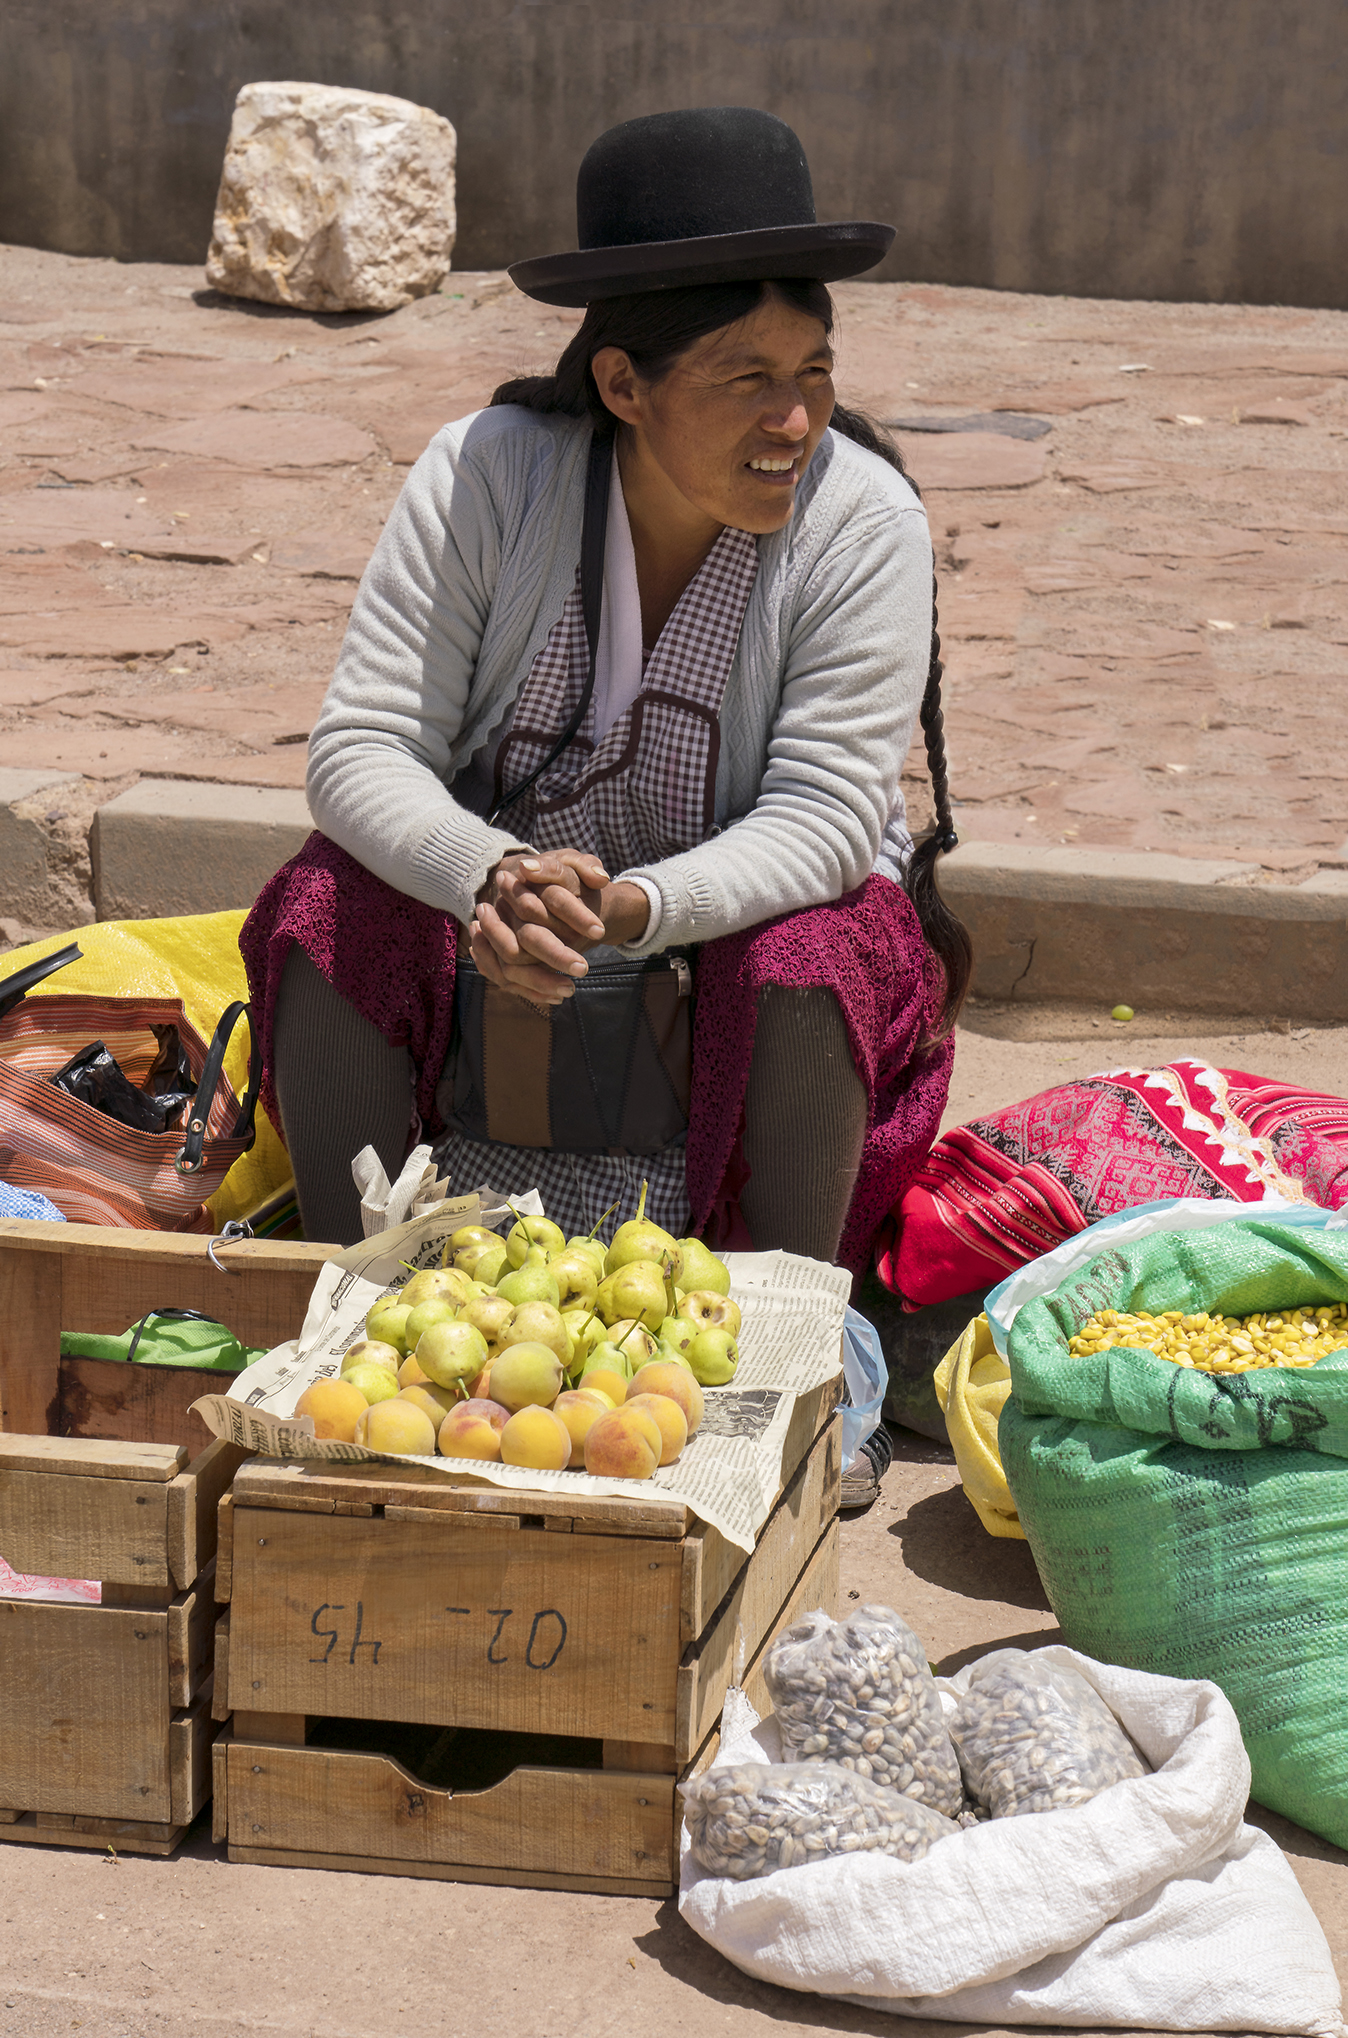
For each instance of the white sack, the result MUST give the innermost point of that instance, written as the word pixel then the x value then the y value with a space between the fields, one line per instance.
pixel 1154 1906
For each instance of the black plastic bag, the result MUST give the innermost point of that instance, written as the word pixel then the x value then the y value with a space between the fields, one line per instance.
pixel 94 1077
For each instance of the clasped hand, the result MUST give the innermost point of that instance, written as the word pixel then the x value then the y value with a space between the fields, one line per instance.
pixel 537 915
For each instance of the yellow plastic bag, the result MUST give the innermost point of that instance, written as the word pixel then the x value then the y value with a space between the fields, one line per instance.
pixel 972 1383
pixel 197 960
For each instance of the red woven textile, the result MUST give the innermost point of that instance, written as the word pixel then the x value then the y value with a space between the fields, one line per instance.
pixel 392 958
pixel 998 1193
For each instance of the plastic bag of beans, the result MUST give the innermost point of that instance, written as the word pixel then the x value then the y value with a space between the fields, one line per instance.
pixel 746 1819
pixel 859 1692
pixel 1034 1737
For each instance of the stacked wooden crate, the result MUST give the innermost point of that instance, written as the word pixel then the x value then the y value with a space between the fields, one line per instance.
pixel 105 1710
pixel 568 1657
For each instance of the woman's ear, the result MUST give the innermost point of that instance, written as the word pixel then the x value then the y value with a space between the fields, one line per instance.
pixel 616 380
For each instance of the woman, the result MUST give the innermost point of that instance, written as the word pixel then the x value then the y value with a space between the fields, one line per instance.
pixel 631 677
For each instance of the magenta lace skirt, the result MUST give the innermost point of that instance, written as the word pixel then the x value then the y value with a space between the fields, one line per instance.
pixel 392 958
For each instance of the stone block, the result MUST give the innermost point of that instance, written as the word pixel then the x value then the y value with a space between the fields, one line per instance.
pixel 1149 930
pixel 25 872
pixel 167 848
pixel 333 200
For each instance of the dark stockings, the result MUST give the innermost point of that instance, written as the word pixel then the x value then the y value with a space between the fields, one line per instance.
pixel 341 1087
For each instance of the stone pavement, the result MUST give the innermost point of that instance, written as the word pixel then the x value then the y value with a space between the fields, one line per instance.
pixel 197 1948
pixel 1144 607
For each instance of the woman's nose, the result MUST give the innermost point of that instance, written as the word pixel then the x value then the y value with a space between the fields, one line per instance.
pixel 788 416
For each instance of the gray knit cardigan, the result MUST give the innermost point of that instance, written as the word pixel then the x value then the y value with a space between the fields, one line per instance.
pixel 469 576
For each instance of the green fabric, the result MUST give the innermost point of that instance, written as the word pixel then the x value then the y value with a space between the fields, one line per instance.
pixel 166 1342
pixel 1195 1525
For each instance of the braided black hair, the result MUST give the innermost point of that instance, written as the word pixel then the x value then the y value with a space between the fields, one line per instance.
pixel 653 329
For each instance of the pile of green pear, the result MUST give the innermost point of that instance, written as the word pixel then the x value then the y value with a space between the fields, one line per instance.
pixel 602 1310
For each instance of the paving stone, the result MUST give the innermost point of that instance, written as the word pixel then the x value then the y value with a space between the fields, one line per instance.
pixel 99 752
pixel 188 389
pixel 972 460
pixel 285 438
pixel 1112 477
pixel 320 556
pixel 1059 399
pixel 31 689
pixel 166 848
pixel 24 870
pixel 1276 411
pixel 284 766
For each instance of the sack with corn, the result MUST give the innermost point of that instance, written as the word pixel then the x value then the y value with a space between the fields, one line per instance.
pixel 1176 1443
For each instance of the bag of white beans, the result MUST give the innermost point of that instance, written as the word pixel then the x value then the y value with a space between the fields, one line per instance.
pixel 859 1692
pixel 746 1819
pixel 1032 1736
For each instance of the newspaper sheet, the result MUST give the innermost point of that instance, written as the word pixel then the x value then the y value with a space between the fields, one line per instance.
pixel 790 1342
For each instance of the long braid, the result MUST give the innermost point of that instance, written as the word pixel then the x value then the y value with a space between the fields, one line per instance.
pixel 945 933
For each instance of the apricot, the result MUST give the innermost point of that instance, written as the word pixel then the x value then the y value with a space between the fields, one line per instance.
pixel 336 1407
pixel 434 1402
pixel 376 1383
pixel 526 1375
pixel 537 1438
pixel 668 1418
pixel 372 1351
pixel 473 1430
pixel 624 1445
pixel 666 1376
pixel 397 1427
pixel 410 1373
pixel 580 1409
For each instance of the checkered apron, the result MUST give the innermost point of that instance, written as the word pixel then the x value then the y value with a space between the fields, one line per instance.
pixel 647 789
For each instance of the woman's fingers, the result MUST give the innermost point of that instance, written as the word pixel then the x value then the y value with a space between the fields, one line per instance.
pixel 525 980
pixel 551 905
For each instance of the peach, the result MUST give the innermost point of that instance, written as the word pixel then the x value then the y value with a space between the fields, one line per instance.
pixel 526 1375
pixel 410 1373
pixel 668 1418
pixel 580 1410
pixel 473 1430
pixel 664 1376
pixel 336 1407
pixel 537 1438
pixel 624 1445
pixel 480 1389
pixel 434 1402
pixel 398 1428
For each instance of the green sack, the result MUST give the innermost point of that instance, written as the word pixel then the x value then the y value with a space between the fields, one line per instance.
pixel 1197 1524
pixel 169 1337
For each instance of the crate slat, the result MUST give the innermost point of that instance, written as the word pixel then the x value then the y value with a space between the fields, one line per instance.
pixel 436 1623
pixel 752 1608
pixel 586 1822
pixel 84 1708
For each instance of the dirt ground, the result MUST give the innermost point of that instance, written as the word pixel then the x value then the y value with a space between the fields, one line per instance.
pixel 1144 607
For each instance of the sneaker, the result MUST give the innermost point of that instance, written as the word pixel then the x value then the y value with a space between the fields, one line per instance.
pixel 861 1485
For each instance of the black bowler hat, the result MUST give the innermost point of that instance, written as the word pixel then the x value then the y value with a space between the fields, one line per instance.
pixel 714 194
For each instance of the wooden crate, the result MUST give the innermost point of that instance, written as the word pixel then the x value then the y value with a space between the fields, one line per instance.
pixel 105 1711
pixel 378 1594
pixel 94 1277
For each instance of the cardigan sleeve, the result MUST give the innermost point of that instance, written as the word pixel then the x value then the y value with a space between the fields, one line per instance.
pixel 856 666
pixel 382 746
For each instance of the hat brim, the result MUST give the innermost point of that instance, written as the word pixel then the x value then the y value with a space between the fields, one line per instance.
pixel 825 253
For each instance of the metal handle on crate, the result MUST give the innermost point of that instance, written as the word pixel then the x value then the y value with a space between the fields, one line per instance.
pixel 234 1230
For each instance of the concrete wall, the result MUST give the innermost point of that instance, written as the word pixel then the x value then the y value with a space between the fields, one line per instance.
pixel 1156 148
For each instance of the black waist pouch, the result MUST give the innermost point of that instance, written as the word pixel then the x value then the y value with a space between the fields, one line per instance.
pixel 607 1071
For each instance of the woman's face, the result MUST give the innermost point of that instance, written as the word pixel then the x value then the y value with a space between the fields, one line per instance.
pixel 735 422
